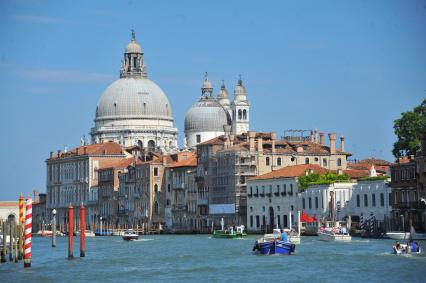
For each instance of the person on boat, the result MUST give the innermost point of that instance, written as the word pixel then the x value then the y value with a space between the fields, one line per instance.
pixel 414 247
pixel 398 246
pixel 284 237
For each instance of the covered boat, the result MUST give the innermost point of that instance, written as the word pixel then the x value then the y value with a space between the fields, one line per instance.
pixel 334 234
pixel 232 232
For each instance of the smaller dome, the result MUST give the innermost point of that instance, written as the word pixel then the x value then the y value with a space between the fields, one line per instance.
pixel 223 93
pixel 240 89
pixel 207 115
pixel 133 47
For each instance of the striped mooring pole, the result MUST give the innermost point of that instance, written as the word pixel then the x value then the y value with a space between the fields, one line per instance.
pixel 28 230
pixel 70 231
pixel 21 226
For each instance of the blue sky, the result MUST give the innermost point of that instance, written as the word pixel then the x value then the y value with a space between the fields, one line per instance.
pixel 349 67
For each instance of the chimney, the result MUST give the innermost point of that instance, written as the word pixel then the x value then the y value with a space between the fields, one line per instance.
pixel 59 153
pixel 332 137
pixel 316 135
pixel 273 138
pixel 36 197
pixel 51 154
pixel 342 143
pixel 260 144
pixel 322 139
pixel 251 135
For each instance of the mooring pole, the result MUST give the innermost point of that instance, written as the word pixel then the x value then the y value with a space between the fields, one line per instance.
pixel 21 226
pixel 82 230
pixel 3 252
pixel 28 231
pixel 70 231
pixel 53 228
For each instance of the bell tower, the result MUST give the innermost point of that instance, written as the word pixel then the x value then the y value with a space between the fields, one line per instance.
pixel 240 110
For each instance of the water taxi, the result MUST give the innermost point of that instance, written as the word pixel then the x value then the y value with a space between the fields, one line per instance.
pixel 129 235
pixel 271 244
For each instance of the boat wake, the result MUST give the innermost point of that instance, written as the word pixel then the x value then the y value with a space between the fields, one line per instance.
pixel 143 240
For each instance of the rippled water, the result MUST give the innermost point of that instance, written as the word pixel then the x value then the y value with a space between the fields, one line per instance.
pixel 192 258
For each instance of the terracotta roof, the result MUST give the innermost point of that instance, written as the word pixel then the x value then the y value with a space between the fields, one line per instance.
pixel 291 171
pixel 9 203
pixel 120 163
pixel 190 162
pixel 108 148
pixel 357 173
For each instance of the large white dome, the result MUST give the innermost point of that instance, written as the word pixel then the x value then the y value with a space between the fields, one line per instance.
pixel 133 98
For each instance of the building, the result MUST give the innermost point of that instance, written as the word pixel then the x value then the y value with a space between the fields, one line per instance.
pixel 421 182
pixel 42 218
pixel 211 116
pixel 181 194
pixel 134 110
pixel 226 162
pixel 108 184
pixel 272 198
pixel 72 178
pixel 9 211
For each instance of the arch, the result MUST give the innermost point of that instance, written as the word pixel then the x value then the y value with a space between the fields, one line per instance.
pixel 240 114
pixel 171 144
pixel 307 160
pixel 151 145
pixel 140 143
pixel 271 216
pixel 244 114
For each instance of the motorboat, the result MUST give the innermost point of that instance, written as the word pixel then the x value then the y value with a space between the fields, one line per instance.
pixel 233 232
pixel 412 235
pixel 293 237
pixel 87 233
pixel 129 235
pixel 271 244
pixel 411 248
pixel 334 234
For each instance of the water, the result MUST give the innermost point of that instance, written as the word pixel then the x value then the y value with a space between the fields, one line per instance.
pixel 195 258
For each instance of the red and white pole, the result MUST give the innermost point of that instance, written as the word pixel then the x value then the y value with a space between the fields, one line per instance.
pixel 28 230
pixel 70 231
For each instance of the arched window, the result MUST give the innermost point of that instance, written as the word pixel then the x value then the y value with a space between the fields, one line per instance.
pixel 267 161
pixel 324 162
pixel 307 160
pixel 245 114
pixel 151 145
pixel 358 201
pixel 339 161
pixel 156 188
pixel 156 207
pixel 240 114
pixel 279 161
pixel 382 199
pixel 365 200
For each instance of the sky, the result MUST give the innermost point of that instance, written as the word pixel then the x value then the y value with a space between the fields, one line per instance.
pixel 349 67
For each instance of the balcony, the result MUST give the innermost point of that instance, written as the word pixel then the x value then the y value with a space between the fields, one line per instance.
pixel 290 193
pixel 256 195
pixel 202 201
pixel 199 178
pixel 250 195
pixel 409 205
pixel 262 195
pixel 269 195
pixel 179 207
pixel 283 193
pixel 277 194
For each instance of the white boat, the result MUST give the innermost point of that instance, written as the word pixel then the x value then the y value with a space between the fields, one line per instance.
pixel 334 234
pixel 406 249
pixel 398 235
pixel 129 235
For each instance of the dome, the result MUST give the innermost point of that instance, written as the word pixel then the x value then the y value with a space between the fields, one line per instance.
pixel 207 115
pixel 133 98
pixel 133 47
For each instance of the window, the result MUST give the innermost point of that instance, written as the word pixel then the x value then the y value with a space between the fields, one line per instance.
pixel 240 114
pixel 198 137
pixel 310 203
pixel 365 200
pixel 390 198
pixel 324 162
pixel 156 207
pixel 168 202
pixel 267 161
pixel 291 188
pixel 279 161
pixel 155 171
pixel 257 221
pixel 382 199
pixel 263 208
pixel 251 190
pixel 279 220
pixel 245 114
pixel 278 208
pixel 307 160
pixel 263 220
pixel 251 208
pixel 339 162
pixel 156 188
pixel 358 201
pixel 373 199
pixel 251 220
pixel 316 202
pixel 168 188
pixel 303 203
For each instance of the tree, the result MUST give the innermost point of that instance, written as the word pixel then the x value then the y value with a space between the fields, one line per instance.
pixel 409 129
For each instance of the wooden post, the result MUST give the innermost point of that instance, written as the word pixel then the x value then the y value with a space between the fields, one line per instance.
pixel 10 240
pixel 21 226
pixel 17 232
pixel 53 228
pixel 3 252
pixel 70 231
pixel 82 230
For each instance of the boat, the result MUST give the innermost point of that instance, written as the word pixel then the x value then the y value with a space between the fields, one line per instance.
pixel 87 233
pixel 107 232
pixel 334 234
pixel 232 232
pixel 413 235
pixel 129 235
pixel 412 248
pixel 271 244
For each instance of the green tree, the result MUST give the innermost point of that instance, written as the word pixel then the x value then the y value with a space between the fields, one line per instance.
pixel 408 130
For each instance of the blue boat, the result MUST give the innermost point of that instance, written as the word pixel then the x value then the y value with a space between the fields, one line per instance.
pixel 107 232
pixel 274 247
pixel 271 244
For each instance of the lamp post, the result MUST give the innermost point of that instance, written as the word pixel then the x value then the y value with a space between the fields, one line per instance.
pixel 100 232
pixel 53 228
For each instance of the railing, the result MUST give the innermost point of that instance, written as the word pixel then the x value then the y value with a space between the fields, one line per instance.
pixel 269 195
pixel 262 195
pixel 179 207
pixel 250 195
pixel 283 193
pixel 277 194
pixel 256 195
pixel 290 193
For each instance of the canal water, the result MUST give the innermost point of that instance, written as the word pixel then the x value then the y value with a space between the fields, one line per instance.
pixel 197 258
